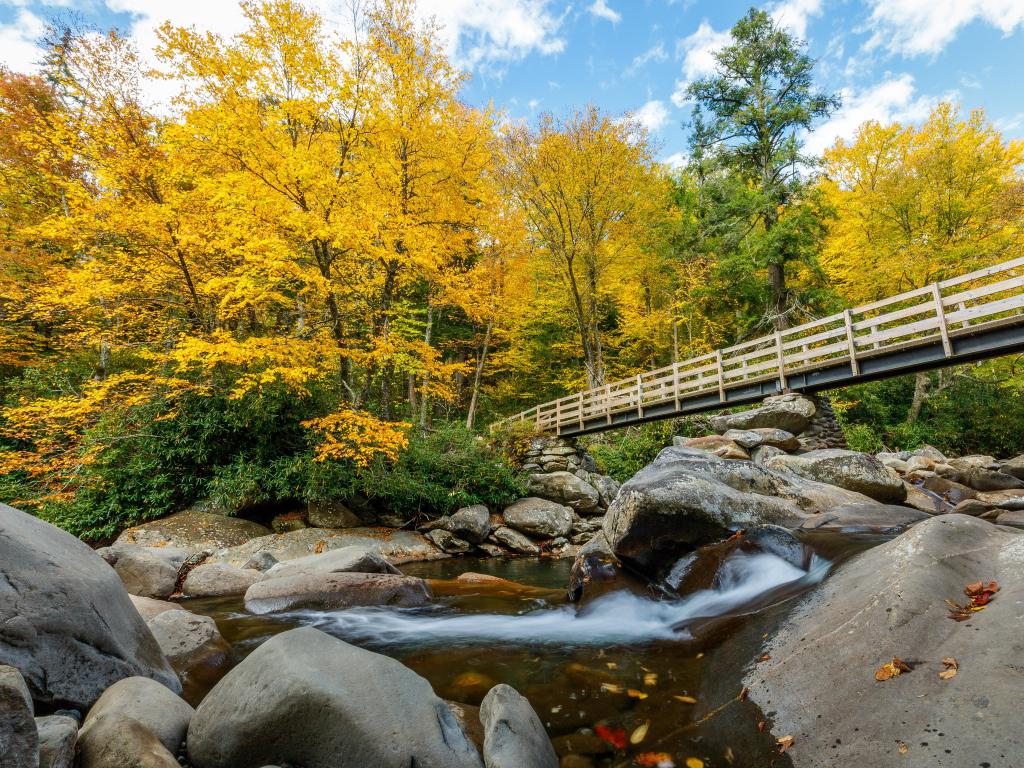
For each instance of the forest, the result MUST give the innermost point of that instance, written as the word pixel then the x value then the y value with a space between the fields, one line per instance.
pixel 318 273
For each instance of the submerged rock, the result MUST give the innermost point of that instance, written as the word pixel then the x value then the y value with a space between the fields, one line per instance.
pixel 514 736
pixel 854 471
pixel 66 620
pixel 325 704
pixel 819 682
pixel 193 531
pixel 331 591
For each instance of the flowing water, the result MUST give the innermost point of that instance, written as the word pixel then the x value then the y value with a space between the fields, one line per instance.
pixel 622 660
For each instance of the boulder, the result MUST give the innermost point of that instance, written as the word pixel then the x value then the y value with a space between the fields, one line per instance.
pixel 261 561
pixel 162 713
pixel 331 514
pixel 66 620
pixel 288 522
pixel 790 412
pixel 193 531
pixel 188 639
pixel 514 541
pixel 607 487
pixel 926 501
pixel 539 517
pixel 866 517
pixel 113 741
pixel 471 523
pixel 1013 518
pixel 19 738
pixel 344 560
pixel 331 591
pixel 890 601
pixel 918 463
pixel 514 736
pixel 145 571
pixel 218 580
pixel 148 607
pixel 58 735
pixel 567 489
pixel 852 470
pixel 396 546
pixel 688 497
pixel 1014 466
pixel 717 445
pixel 973 507
pixel 753 438
pixel 325 704
pixel 980 478
pixel 892 462
pixel 1011 499
pixel 762 453
pixel 948 490
pixel 448 542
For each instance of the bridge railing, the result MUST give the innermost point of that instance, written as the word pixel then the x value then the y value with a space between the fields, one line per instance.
pixel 942 311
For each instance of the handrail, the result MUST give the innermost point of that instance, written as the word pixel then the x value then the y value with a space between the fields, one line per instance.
pixel 920 316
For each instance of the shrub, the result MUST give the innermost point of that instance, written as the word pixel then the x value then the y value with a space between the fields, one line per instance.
pixel 622 454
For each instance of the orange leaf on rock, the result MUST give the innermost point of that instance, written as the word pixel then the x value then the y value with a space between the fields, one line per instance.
pixel 951 668
pixel 892 669
pixel 785 743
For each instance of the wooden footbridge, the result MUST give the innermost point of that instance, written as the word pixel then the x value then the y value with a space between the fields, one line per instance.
pixel 971 317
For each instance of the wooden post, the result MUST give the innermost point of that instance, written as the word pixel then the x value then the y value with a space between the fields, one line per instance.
pixel 608 402
pixel 581 411
pixel 940 313
pixel 558 416
pixel 675 384
pixel 782 361
pixel 963 306
pixel 854 367
pixel 640 395
pixel 721 376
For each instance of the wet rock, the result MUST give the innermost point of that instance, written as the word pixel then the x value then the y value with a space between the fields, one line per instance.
pixel 1013 518
pixel 19 739
pixel 58 735
pixel 325 704
pixel 854 471
pixel 790 412
pixel 567 489
pixel 161 712
pixel 331 514
pixel 778 541
pixel 448 542
pixel 515 541
pixel 890 601
pixel 514 736
pixel 471 524
pixel 194 532
pixel 188 640
pixel 113 741
pixel 539 517
pixel 330 591
pixel 867 517
pixel 218 580
pixel 754 438
pixel 66 620
pixel 145 571
pixel 397 546
pixel 345 560
pixel 148 607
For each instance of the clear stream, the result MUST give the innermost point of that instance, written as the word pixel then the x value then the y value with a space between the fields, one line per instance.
pixel 619 660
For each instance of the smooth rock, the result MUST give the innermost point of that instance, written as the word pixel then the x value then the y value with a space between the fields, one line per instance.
pixel 949 490
pixel 148 607
pixel 143 571
pixel 331 591
pixel 717 445
pixel 973 507
pixel 982 479
pixel 916 463
pixel 218 580
pixel 472 523
pixel 188 639
pixel 161 712
pixel 892 462
pixel 866 517
pixel 1011 499
pixel 854 471
pixel 925 501
pixel 514 736
pixel 345 560
pixel 607 488
pixel 113 741
pixel 325 704
pixel 19 738
pixel 539 517
pixel 753 438
pixel 790 412
pixel 1014 466
pixel 66 620
pixel 890 601
pixel 567 489
pixel 515 541
pixel 58 735
pixel 448 542
pixel 762 453
pixel 261 561
pixel 1013 518
pixel 193 531
pixel 331 514
pixel 397 546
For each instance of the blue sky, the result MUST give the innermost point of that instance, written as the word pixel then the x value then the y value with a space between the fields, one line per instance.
pixel 889 59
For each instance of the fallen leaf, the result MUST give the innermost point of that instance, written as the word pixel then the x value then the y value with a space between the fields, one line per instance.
pixel 694 762
pixel 611 688
pixel 737 536
pixel 319 547
pixel 760 725
pixel 951 668
pixel 764 657
pixel 784 743
pixel 728 755
pixel 892 669
pixel 685 699
pixel 611 665
pixel 614 736
pixel 655 759
pixel 903 748
pixel 633 693
pixel 640 733
pixel 651 678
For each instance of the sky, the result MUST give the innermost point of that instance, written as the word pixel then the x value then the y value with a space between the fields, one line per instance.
pixel 887 59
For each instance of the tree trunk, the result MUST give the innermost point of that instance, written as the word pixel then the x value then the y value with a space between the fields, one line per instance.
pixel 426 377
pixel 922 387
pixel 777 282
pixel 477 375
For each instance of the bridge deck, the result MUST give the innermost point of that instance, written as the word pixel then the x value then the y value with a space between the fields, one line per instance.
pixel 971 317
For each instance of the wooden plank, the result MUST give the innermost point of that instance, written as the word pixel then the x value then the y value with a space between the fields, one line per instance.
pixel 854 368
pixel 608 402
pixel 640 395
pixel 721 380
pixel 675 384
pixel 940 315
pixel 782 361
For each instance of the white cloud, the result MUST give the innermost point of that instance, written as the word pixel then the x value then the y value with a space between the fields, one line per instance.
pixel 698 52
pixel 18 41
pixel 653 115
pixel 676 160
pixel 794 14
pixel 893 99
pixel 602 10
pixel 916 27
pixel 657 53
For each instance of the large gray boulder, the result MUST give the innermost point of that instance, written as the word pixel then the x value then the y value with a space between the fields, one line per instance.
pixel 193 531
pixel 688 497
pixel 188 639
pixel 331 591
pixel 567 489
pixel 514 736
pixel 790 412
pixel 852 470
pixel 514 540
pixel 148 607
pixel 19 737
pixel 323 703
pixel 164 714
pixel 978 475
pixel 448 542
pixel 66 620
pixel 471 523
pixel 818 677
pixel 754 438
pixel 113 741
pixel 331 514
pixel 866 517
pixel 352 559
pixel 218 580
pixel 539 517
pixel 58 735
pixel 145 571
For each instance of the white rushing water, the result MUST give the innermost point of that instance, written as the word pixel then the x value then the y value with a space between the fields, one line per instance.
pixel 615 618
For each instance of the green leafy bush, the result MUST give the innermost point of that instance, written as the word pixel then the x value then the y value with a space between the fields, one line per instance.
pixel 621 454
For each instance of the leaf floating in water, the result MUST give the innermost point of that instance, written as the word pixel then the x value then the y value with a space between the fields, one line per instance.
pixel 611 665
pixel 685 699
pixel 651 678
pixel 640 733
pixel 694 762
pixel 893 669
pixel 655 759
pixel 614 736
pixel 611 688
pixel 951 668
pixel 728 755
pixel 785 743
pixel 633 693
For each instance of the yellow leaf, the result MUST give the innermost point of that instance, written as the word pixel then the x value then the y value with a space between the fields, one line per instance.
pixel 640 733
